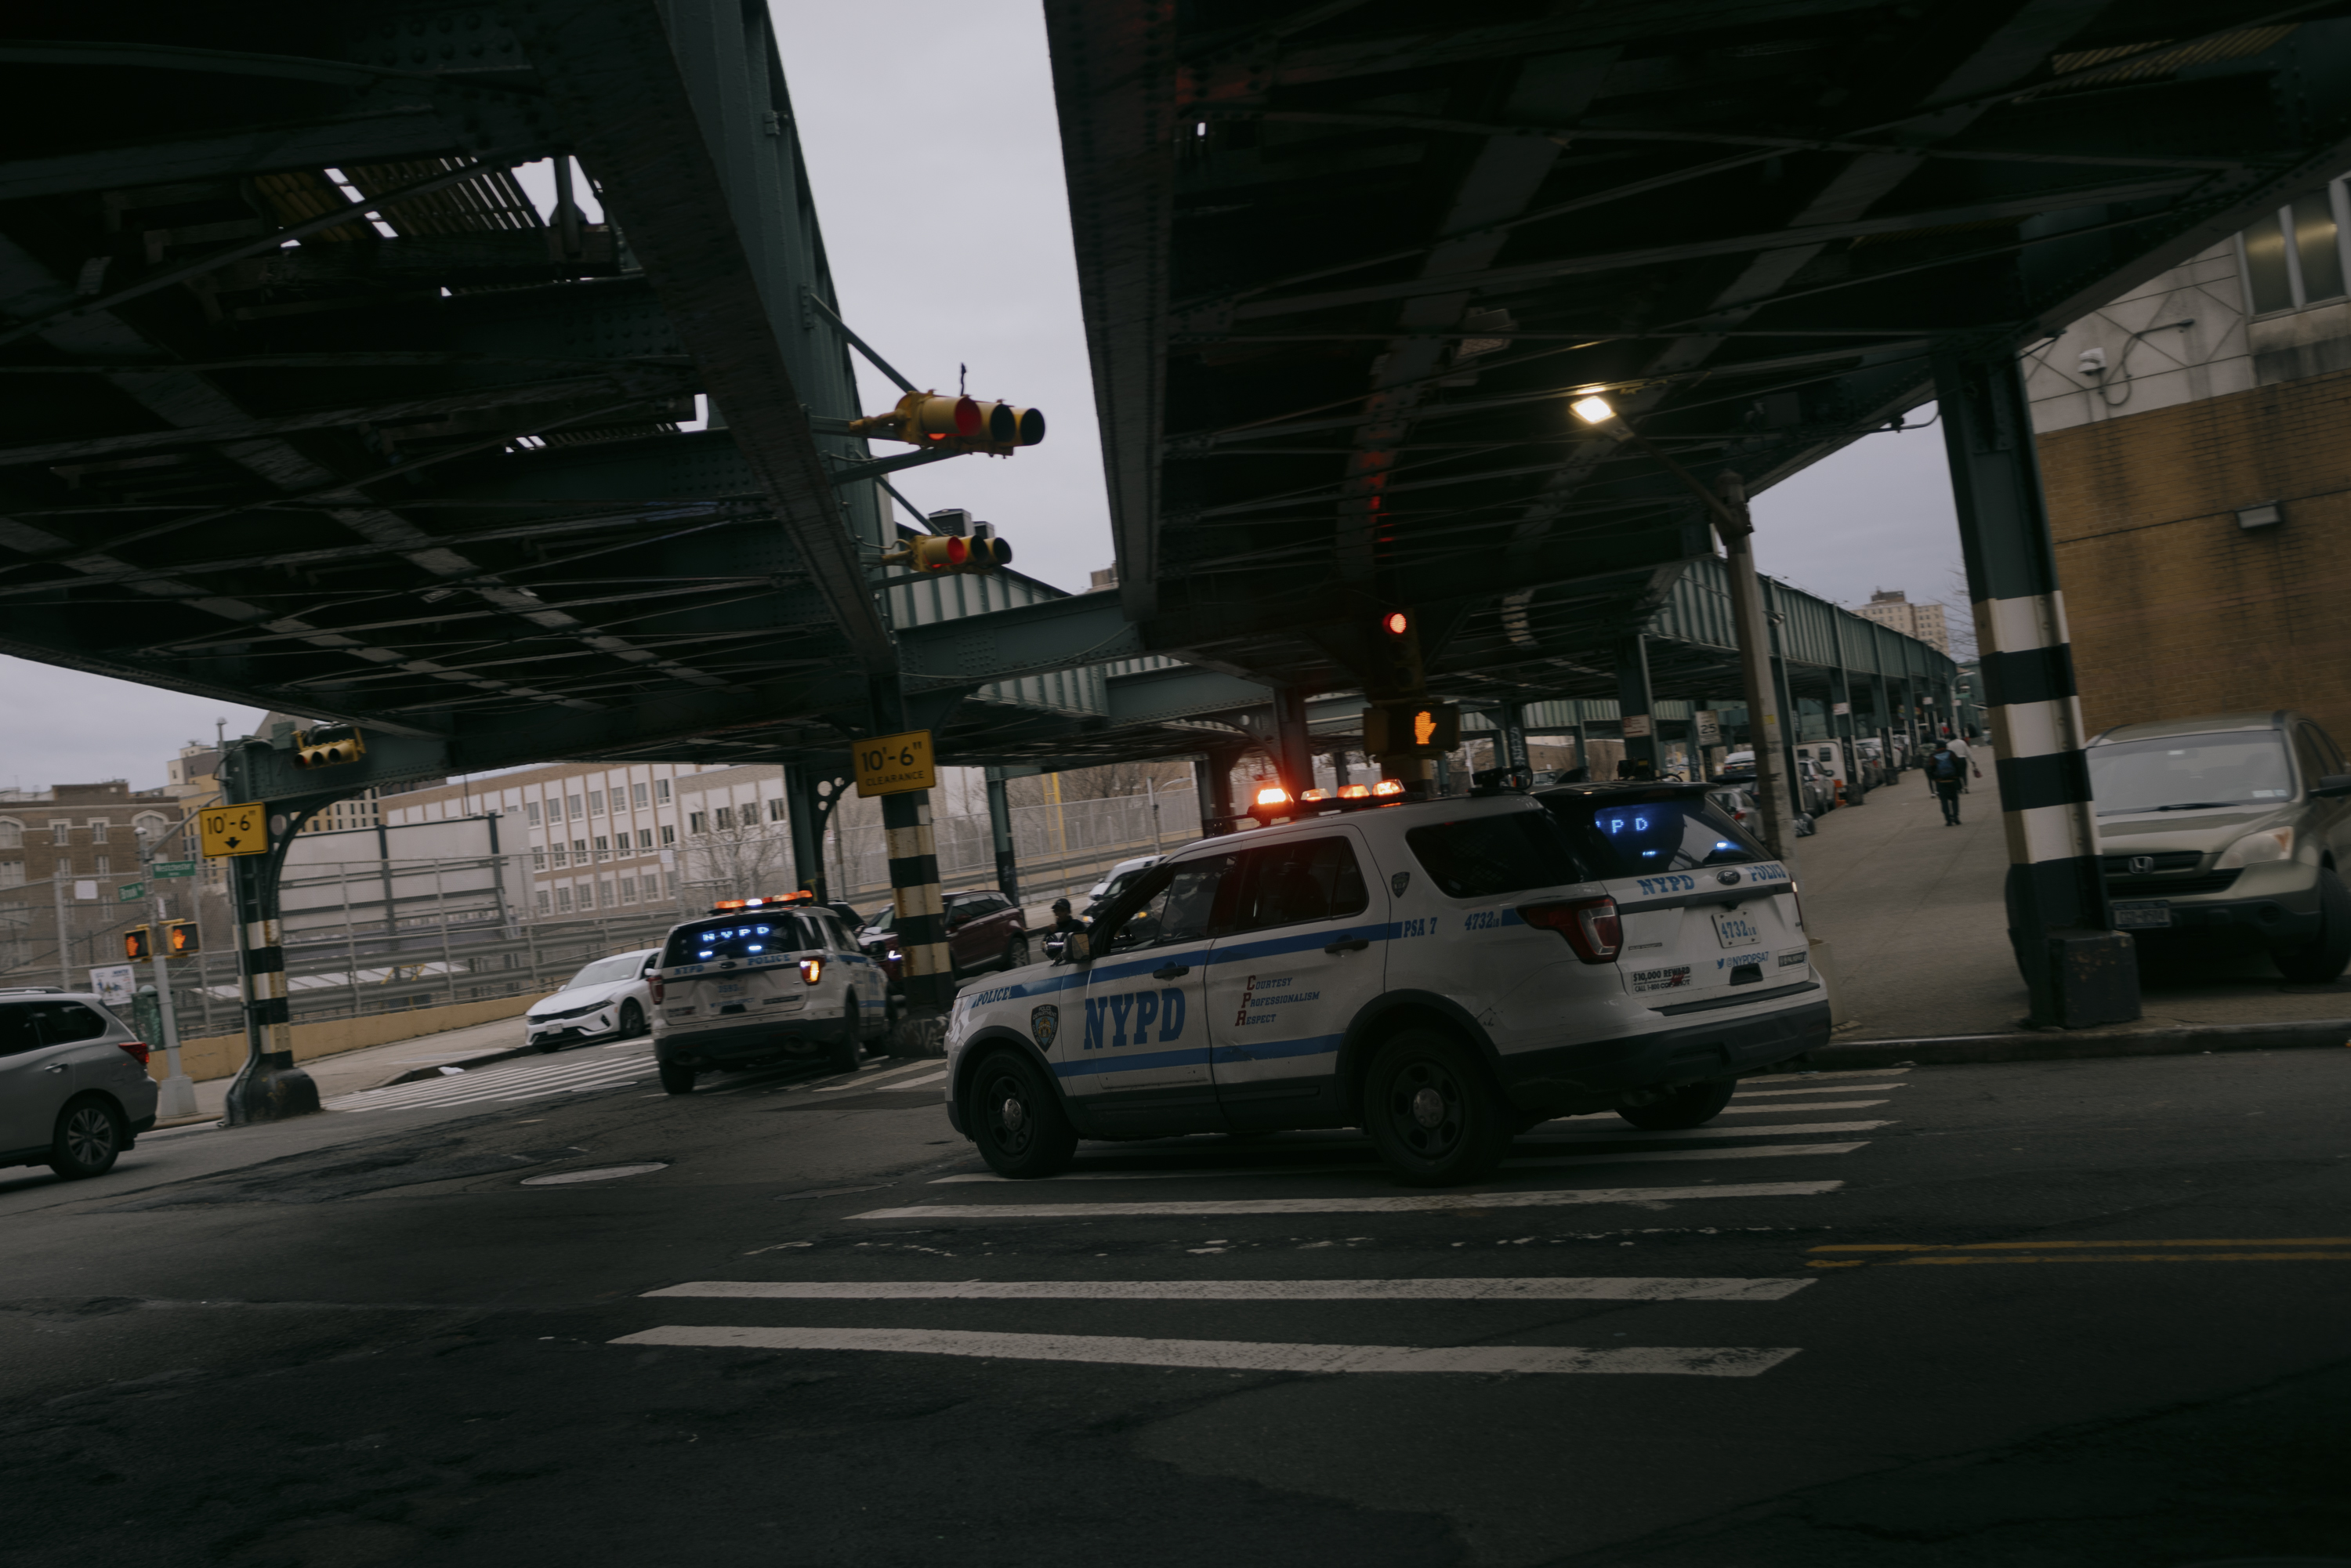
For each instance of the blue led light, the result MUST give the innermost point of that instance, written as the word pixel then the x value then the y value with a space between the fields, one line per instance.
pixel 1652 851
pixel 1720 845
pixel 704 953
pixel 763 930
pixel 757 948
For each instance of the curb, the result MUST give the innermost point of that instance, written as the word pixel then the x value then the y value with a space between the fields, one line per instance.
pixel 2056 1045
pixel 418 1074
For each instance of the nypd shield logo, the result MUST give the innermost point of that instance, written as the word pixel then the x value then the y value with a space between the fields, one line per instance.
pixel 1044 1023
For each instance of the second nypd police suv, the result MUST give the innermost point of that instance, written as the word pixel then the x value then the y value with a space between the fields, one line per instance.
pixel 1443 974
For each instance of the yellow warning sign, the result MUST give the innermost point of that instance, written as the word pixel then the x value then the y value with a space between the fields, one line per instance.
pixel 894 764
pixel 235 829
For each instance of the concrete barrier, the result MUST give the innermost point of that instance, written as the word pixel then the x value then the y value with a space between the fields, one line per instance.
pixel 221 1055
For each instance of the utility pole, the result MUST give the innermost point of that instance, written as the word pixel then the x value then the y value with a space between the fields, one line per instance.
pixel 57 888
pixel 178 1091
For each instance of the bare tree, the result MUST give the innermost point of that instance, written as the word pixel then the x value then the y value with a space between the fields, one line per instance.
pixel 743 860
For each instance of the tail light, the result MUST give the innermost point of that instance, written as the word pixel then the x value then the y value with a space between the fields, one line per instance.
pixel 655 984
pixel 1590 925
pixel 136 1050
pixel 811 971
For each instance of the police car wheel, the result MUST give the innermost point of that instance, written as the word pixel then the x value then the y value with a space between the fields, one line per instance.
pixel 676 1079
pixel 1431 1111
pixel 1691 1105
pixel 842 1054
pixel 1017 1120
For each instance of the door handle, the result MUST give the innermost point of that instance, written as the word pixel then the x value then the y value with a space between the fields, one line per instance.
pixel 58 1067
pixel 1171 971
pixel 1348 945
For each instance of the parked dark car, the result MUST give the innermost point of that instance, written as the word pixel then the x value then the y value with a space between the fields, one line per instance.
pixel 985 931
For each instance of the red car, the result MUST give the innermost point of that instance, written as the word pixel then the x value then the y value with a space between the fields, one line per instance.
pixel 985 931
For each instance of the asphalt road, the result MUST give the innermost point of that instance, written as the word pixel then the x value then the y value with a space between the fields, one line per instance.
pixel 2057 1313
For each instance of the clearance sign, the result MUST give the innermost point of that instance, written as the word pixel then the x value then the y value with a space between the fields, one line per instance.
pixel 894 764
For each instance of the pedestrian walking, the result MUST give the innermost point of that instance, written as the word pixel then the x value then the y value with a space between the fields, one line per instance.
pixel 1966 755
pixel 1947 775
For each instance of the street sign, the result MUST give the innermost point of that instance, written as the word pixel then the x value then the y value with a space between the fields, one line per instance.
pixel 1709 726
pixel 1841 708
pixel 1636 726
pixel 173 868
pixel 234 830
pixel 113 983
pixel 131 892
pixel 894 764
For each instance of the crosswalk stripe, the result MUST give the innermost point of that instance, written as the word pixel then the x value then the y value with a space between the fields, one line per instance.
pixel 1683 1134
pixel 1600 1156
pixel 1412 1203
pixel 1822 1089
pixel 530 1081
pixel 867 1080
pixel 1508 1289
pixel 1236 1355
pixel 1782 1109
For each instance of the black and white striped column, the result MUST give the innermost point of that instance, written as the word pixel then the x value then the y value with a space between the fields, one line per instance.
pixel 927 970
pixel 2056 894
pixel 269 1087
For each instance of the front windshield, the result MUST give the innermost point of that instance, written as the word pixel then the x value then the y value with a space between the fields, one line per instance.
pixel 2180 772
pixel 607 971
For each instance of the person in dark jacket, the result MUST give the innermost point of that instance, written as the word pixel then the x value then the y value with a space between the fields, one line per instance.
pixel 1947 775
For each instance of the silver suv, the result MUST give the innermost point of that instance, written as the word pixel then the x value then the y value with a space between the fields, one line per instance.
pixel 74 1090
pixel 2229 830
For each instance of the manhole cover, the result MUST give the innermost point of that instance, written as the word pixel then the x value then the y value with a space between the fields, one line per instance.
pixel 602 1173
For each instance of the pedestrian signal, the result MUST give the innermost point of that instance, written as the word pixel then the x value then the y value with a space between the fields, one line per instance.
pixel 957 423
pixel 327 746
pixel 182 939
pixel 1420 729
pixel 138 944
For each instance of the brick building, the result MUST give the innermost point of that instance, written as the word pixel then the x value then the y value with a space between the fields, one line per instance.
pixel 2195 445
pixel 1892 607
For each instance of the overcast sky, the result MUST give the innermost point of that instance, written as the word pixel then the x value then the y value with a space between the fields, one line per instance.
pixel 937 172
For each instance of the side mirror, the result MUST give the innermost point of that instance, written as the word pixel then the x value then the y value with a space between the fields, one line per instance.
pixel 1078 948
pixel 2333 787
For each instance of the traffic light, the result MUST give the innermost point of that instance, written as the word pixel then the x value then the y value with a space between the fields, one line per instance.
pixel 961 424
pixel 1419 729
pixel 327 746
pixel 1395 623
pixel 935 555
pixel 138 944
pixel 182 939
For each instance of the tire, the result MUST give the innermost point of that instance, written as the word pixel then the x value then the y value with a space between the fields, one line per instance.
pixel 1016 952
pixel 88 1139
pixel 1432 1112
pixel 677 1080
pixel 2325 959
pixel 1016 1119
pixel 549 1047
pixel 842 1053
pixel 1691 1105
pixel 632 1021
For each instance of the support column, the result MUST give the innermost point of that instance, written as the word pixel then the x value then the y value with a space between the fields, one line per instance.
pixel 1635 704
pixel 269 1087
pixel 1212 775
pixel 1755 642
pixel 927 971
pixel 999 830
pixel 1792 726
pixel 1513 737
pixel 1293 743
pixel 2080 971
pixel 1841 724
pixel 805 812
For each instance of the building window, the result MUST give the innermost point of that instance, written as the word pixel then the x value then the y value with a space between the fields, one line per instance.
pixel 563 900
pixel 546 901
pixel 725 816
pixel 105 866
pixel 637 794
pixel 669 834
pixel 538 859
pixel 530 812
pixel 97 830
pixel 595 802
pixel 776 810
pixel 12 833
pixel 697 822
pixel 661 790
pixel 628 890
pixel 603 848
pixel 580 851
pixel 576 812
pixel 645 838
pixel 60 831
pixel 2294 258
pixel 11 873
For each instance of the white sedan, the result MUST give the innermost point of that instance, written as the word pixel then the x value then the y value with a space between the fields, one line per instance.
pixel 610 999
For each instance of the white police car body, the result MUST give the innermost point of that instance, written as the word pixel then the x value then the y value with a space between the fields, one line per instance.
pixel 1441 973
pixel 762 979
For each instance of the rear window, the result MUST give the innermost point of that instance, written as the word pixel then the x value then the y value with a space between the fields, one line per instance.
pixel 1484 856
pixel 1639 837
pixel 737 938
pixel 29 1026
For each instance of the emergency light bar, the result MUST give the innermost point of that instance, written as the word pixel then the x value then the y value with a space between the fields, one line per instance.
pixel 729 906
pixel 1273 802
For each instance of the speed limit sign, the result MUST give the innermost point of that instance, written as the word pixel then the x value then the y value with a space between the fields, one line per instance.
pixel 894 764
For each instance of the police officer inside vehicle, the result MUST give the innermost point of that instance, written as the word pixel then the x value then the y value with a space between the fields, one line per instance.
pixel 1057 934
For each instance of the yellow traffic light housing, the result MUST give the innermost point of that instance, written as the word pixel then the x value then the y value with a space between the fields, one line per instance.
pixel 182 939
pixel 957 423
pixel 327 746
pixel 937 555
pixel 138 944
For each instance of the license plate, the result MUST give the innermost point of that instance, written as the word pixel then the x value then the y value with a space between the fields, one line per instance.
pixel 732 988
pixel 1736 928
pixel 2139 915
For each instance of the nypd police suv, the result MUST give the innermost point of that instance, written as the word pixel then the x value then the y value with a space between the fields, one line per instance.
pixel 1443 974
pixel 762 979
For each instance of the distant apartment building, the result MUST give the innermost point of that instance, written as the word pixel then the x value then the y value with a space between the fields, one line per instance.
pixel 1892 608
pixel 85 831
pixel 2195 446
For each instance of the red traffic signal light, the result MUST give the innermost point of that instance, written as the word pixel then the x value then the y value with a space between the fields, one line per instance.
pixel 1395 623
pixel 182 939
pixel 965 424
pixel 138 942
pixel 939 554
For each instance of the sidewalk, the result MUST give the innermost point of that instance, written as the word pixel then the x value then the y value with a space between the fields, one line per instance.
pixel 1916 912
pixel 379 1064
